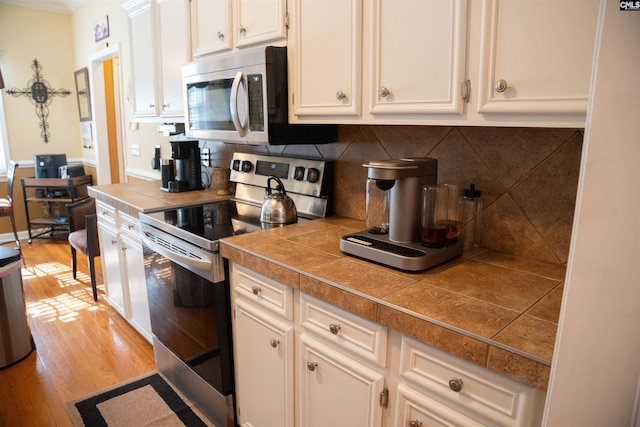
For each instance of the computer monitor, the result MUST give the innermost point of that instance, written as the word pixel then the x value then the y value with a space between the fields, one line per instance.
pixel 46 165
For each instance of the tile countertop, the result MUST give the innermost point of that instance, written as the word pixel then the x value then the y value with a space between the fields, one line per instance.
pixel 146 196
pixel 493 309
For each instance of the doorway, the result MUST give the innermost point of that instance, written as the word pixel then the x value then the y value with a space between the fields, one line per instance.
pixel 105 86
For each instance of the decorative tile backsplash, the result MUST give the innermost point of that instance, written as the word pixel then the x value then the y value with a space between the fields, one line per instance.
pixel 528 176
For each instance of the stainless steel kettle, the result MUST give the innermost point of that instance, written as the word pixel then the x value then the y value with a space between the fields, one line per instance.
pixel 278 209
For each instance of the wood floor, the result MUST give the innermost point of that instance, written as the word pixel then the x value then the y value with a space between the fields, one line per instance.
pixel 81 346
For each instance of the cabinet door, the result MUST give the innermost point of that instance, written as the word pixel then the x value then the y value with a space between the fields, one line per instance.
pixel 143 60
pixel 211 26
pixel 258 21
pixel 532 60
pixel 173 23
pixel 327 56
pixel 264 367
pixel 419 69
pixel 110 258
pixel 136 285
pixel 335 390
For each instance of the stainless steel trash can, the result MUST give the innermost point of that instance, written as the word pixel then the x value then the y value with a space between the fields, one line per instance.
pixel 16 342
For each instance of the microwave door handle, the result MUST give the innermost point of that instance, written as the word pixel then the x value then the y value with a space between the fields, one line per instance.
pixel 233 104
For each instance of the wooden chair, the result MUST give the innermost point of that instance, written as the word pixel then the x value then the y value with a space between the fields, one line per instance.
pixel 6 205
pixel 83 236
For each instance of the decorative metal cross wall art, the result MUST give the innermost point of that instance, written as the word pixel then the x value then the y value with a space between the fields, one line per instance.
pixel 40 93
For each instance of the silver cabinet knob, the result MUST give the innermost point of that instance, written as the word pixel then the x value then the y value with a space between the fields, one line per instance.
pixel 274 342
pixel 500 86
pixel 334 329
pixel 256 290
pixel 312 366
pixel 242 30
pixel 220 36
pixel 383 91
pixel 455 384
pixel 114 242
pixel 152 105
pixel 415 423
pixel 340 95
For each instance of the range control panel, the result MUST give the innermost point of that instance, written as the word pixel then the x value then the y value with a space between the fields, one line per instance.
pixel 302 176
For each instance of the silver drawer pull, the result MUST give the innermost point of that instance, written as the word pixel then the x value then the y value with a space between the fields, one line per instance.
pixel 312 366
pixel 274 342
pixel 256 290
pixel 334 329
pixel 415 423
pixel 455 384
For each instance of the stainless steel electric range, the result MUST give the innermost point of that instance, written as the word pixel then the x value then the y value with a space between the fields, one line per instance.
pixel 187 279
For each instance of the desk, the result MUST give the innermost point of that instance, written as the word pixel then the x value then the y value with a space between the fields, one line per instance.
pixel 52 195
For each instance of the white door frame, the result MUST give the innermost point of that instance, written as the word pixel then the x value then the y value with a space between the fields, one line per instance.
pixel 99 133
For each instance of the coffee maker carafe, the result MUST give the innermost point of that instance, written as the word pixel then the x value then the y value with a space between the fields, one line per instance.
pixel 401 247
pixel 186 165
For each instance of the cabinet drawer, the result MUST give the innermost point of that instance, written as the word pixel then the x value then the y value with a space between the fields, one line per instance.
pixel 483 394
pixel 343 329
pixel 416 410
pixel 129 225
pixel 267 293
pixel 106 213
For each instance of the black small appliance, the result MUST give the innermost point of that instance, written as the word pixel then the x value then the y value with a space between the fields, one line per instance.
pixel 46 165
pixel 186 161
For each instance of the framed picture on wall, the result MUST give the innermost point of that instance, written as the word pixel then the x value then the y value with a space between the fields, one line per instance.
pixel 101 28
pixel 82 91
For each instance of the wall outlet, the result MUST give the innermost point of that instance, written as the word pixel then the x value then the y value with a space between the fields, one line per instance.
pixel 135 150
pixel 205 157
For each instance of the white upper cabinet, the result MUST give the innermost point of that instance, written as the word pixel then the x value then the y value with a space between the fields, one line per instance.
pixel 536 56
pixel 160 45
pixel 222 25
pixel 441 62
pixel 174 51
pixel 143 58
pixel 428 78
pixel 211 31
pixel 327 57
pixel 377 59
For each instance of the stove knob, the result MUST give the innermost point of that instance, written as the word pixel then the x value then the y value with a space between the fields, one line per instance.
pixel 298 175
pixel 236 165
pixel 246 166
pixel 313 175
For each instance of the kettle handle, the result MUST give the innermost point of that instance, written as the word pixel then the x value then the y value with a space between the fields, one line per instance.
pixel 280 185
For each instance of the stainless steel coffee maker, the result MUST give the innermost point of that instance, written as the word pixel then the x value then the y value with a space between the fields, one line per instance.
pixel 400 246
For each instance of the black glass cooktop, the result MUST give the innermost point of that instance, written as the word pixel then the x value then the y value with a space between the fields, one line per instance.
pixel 211 221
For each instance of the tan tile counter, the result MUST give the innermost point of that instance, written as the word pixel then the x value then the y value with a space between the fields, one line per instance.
pixel 146 196
pixel 496 310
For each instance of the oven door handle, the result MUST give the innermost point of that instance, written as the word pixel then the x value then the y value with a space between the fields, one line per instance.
pixel 238 80
pixel 176 256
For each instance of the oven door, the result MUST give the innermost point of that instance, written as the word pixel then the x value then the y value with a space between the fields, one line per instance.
pixel 189 313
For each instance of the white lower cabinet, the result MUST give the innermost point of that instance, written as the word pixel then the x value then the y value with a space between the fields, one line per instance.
pixel 303 362
pixel 264 358
pixel 133 261
pixel 123 267
pixel 336 390
pixel 110 258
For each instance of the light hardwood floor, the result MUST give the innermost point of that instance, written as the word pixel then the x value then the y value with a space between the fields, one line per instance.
pixel 81 346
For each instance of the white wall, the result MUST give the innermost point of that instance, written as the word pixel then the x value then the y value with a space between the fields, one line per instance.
pixel 595 373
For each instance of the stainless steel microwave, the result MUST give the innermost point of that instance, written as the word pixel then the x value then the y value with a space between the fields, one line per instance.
pixel 242 97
